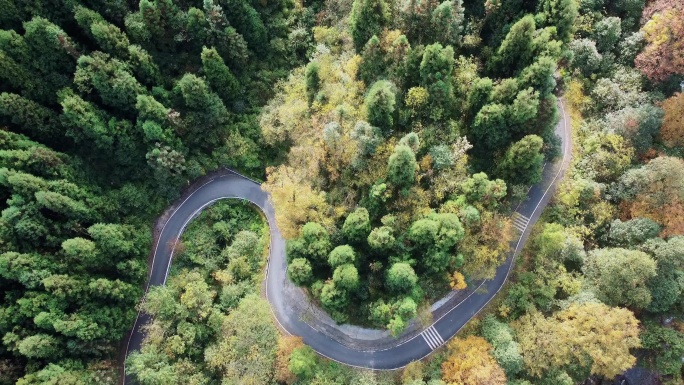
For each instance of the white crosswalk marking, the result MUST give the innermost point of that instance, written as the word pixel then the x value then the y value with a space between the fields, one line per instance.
pixel 436 334
pixel 520 221
pixel 432 337
pixel 429 341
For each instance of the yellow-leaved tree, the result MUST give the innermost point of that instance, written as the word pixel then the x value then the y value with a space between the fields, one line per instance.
pixel 296 201
pixel 486 248
pixel 591 335
pixel 457 281
pixel 470 363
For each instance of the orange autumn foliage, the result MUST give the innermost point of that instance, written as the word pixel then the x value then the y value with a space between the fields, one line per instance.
pixel 672 130
pixel 664 54
pixel 658 194
pixel 659 6
pixel 670 216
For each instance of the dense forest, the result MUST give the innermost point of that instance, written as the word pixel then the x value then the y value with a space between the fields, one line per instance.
pixel 108 109
pixel 403 148
pixel 209 316
pixel 395 139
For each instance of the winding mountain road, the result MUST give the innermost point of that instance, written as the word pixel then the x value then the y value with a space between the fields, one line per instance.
pixel 233 185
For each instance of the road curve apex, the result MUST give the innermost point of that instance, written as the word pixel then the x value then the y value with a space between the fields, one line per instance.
pixel 282 294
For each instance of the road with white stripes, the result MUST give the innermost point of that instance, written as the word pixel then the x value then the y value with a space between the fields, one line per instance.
pixel 432 338
pixel 520 221
pixel 232 185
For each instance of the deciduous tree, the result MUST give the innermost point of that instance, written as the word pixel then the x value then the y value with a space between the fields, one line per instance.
pixel 607 33
pixel 619 276
pixel 303 362
pixel 457 281
pixel 486 247
pixel 656 191
pixel 401 278
pixel 664 53
pixel 504 349
pixel 585 56
pixel 638 125
pixel 245 351
pixel 469 362
pixel 297 200
pixel 286 345
pixel 590 335
pixel 299 271
pixel 633 231
pixel 672 130
pixel 666 346
pixel 607 157
pixel 666 287
pixel 367 137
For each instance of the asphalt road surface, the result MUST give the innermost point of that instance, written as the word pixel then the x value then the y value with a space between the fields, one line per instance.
pixel 234 185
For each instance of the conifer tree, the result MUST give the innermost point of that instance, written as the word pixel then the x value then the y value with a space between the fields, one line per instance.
pixel 368 18
pixel 402 167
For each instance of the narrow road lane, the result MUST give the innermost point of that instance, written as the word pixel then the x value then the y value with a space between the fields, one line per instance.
pixel 233 185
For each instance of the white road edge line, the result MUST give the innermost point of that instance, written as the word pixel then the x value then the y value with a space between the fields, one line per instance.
pixel 516 250
pixel 565 158
pixel 156 248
